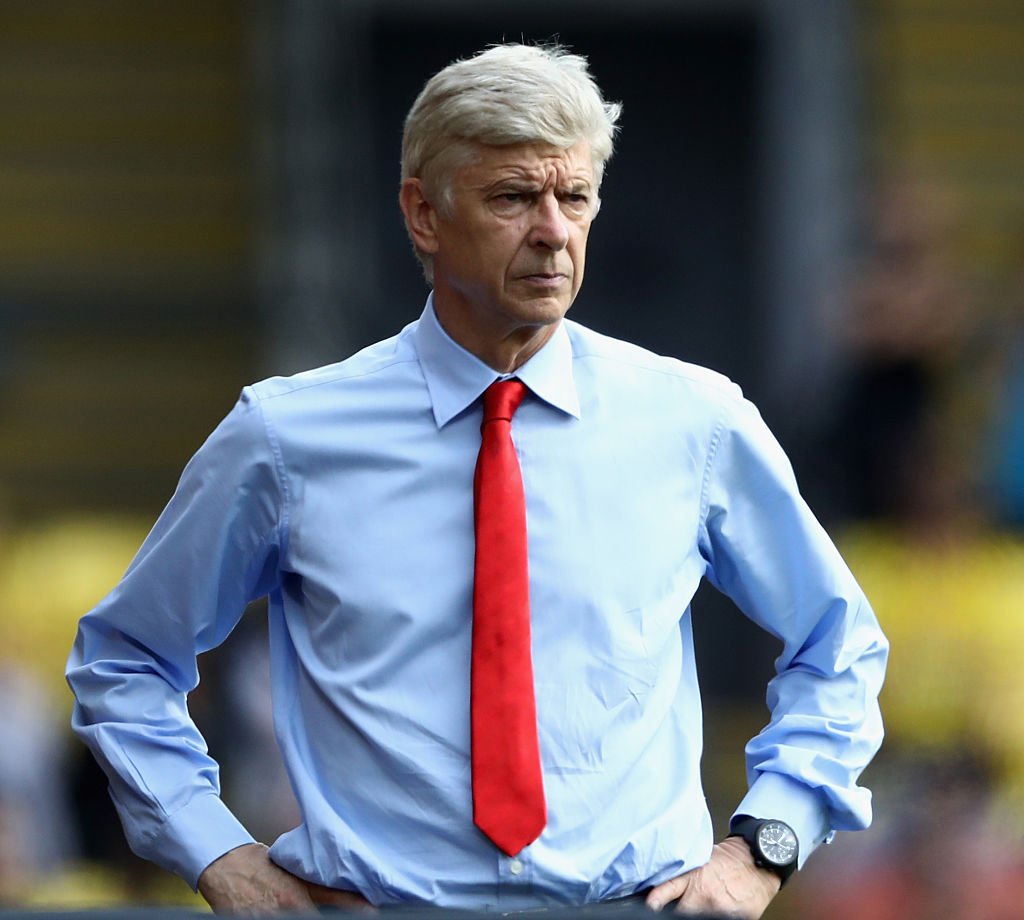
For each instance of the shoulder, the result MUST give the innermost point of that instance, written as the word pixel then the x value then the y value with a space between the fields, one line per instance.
pixel 374 368
pixel 623 364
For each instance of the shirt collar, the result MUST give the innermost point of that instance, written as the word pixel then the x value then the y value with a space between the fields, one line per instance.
pixel 456 378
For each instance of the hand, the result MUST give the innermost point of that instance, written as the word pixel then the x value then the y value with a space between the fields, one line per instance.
pixel 729 885
pixel 245 880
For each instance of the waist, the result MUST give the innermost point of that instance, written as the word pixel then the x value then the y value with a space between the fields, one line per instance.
pixel 623 908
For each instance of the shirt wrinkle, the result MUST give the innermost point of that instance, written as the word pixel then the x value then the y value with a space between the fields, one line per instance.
pixel 705 487
pixel 281 475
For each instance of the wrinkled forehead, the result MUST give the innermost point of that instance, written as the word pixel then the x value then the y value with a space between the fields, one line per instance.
pixel 537 162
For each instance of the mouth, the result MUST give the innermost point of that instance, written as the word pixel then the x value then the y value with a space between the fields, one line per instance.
pixel 545 279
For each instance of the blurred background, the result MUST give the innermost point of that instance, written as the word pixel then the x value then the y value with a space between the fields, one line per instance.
pixel 823 199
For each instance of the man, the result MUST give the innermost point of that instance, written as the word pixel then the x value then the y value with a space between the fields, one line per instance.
pixel 347 494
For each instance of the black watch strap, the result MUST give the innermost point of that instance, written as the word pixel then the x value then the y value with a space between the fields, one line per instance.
pixel 749 829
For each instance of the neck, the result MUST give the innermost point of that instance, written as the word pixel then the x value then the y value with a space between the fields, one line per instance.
pixel 504 350
pixel 508 355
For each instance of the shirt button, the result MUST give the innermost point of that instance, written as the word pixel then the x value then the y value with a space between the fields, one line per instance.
pixel 515 867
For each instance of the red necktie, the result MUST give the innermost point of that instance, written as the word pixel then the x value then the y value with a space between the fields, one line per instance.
pixel 508 791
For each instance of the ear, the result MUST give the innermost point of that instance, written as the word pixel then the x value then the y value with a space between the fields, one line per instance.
pixel 420 215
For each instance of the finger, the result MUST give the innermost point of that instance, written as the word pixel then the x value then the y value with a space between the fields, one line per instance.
pixel 667 892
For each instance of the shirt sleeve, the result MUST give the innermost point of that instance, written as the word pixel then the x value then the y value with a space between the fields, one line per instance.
pixel 767 552
pixel 213 550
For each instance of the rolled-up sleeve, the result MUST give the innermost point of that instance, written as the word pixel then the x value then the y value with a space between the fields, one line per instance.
pixel 767 552
pixel 213 550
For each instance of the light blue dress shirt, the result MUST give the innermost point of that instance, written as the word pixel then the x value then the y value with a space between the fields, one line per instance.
pixel 345 493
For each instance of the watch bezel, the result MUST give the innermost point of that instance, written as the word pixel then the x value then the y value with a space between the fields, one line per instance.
pixel 762 844
pixel 750 830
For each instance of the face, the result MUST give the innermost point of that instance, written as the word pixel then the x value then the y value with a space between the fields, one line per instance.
pixel 509 261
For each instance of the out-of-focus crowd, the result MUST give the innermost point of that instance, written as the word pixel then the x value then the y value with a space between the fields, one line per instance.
pixel 926 456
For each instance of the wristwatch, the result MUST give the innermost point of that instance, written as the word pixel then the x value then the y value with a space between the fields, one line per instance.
pixel 773 844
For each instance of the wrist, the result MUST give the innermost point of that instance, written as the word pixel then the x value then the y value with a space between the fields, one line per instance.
pixel 772 844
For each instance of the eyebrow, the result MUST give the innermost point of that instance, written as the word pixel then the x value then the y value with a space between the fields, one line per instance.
pixel 522 180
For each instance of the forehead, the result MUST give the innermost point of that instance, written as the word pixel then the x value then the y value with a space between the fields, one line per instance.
pixel 540 162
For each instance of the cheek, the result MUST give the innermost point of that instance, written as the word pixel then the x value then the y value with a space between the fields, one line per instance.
pixel 579 250
pixel 483 254
pixel 579 258
pixel 506 248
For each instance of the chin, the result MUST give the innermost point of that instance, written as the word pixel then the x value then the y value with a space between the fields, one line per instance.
pixel 542 310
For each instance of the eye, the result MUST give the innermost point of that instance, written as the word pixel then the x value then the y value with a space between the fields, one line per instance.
pixel 576 202
pixel 510 202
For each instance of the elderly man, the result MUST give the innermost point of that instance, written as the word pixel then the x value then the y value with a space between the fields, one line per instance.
pixel 484 680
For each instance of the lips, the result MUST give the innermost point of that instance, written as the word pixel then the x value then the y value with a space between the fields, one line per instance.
pixel 547 279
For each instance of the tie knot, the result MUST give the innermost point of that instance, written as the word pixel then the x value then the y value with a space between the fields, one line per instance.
pixel 502 398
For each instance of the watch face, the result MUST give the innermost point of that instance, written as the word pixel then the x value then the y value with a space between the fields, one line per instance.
pixel 777 842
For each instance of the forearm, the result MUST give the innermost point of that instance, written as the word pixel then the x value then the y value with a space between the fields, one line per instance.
pixel 825 727
pixel 162 782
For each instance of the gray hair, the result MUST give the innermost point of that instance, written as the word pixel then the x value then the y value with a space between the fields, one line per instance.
pixel 507 94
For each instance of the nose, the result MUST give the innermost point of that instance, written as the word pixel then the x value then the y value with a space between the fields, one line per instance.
pixel 550 226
